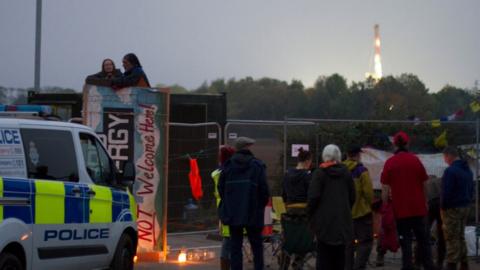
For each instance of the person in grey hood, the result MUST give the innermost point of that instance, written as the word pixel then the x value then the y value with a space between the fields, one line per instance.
pixel 244 193
pixel 330 199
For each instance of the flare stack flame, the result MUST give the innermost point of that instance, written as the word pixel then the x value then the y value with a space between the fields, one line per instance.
pixel 377 60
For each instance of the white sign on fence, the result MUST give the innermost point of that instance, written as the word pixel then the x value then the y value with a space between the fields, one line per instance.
pixel 296 148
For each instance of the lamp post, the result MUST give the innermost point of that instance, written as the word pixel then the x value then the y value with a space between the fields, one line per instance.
pixel 38 43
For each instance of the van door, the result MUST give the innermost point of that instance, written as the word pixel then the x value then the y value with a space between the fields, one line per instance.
pixel 58 199
pixel 99 196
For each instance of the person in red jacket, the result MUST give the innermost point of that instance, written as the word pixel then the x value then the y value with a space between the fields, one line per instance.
pixel 404 176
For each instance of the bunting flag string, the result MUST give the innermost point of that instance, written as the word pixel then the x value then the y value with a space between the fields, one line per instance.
pixel 441 141
pixel 436 123
pixel 475 106
pixel 452 117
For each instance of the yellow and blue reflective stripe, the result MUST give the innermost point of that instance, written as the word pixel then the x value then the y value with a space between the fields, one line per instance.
pixel 121 206
pixel 54 202
pixel 49 202
pixel 118 201
pixel 100 205
pixel 75 204
pixel 1 196
pixel 133 205
pixel 19 189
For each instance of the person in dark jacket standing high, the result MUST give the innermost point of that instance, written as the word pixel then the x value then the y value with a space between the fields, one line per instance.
pixel 330 199
pixel 133 75
pixel 244 193
pixel 403 177
pixel 456 196
pixel 105 76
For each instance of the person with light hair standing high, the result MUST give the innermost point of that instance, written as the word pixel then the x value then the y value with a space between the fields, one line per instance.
pixel 330 199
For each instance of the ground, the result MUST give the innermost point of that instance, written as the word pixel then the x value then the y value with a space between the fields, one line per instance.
pixel 214 265
pixel 201 243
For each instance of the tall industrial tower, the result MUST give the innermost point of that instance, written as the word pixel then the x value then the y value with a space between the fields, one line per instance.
pixel 377 60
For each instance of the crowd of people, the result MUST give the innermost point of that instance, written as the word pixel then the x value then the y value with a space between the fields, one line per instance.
pixel 337 197
pixel 110 76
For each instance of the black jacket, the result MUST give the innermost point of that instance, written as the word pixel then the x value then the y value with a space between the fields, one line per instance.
pixel 243 190
pixel 102 79
pixel 295 186
pixel 132 78
pixel 330 199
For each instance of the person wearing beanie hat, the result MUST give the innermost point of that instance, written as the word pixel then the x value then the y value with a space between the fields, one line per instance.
pixel 401 140
pixel 225 153
pixel 403 177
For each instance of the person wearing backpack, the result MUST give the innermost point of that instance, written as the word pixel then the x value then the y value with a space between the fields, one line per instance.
pixel 244 193
pixel 359 249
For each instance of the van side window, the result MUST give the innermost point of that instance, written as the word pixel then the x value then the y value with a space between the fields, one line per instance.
pixel 97 162
pixel 50 154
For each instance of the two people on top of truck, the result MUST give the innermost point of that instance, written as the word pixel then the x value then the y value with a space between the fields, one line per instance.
pixel 112 77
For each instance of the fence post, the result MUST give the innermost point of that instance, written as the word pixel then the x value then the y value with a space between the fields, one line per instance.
pixel 285 145
pixel 317 142
pixel 476 169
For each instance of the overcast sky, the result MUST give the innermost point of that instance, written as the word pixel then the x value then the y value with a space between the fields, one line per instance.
pixel 189 42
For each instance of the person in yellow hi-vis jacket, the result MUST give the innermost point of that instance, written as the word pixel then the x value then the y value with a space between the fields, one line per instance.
pixel 225 153
pixel 359 249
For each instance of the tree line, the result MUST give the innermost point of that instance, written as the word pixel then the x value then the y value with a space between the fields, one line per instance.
pixel 393 97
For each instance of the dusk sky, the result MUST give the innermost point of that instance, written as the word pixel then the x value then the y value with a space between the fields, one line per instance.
pixel 189 42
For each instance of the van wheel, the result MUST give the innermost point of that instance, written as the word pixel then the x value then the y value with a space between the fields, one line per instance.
pixel 9 261
pixel 123 258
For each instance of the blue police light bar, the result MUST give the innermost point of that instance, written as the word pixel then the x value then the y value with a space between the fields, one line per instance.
pixel 40 109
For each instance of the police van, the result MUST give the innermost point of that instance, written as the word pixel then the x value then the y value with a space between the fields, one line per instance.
pixel 63 204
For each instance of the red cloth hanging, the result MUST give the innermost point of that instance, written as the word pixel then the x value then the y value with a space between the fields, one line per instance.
pixel 195 180
pixel 388 237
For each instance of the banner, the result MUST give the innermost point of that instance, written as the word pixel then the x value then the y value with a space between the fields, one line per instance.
pixel 374 160
pixel 133 125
